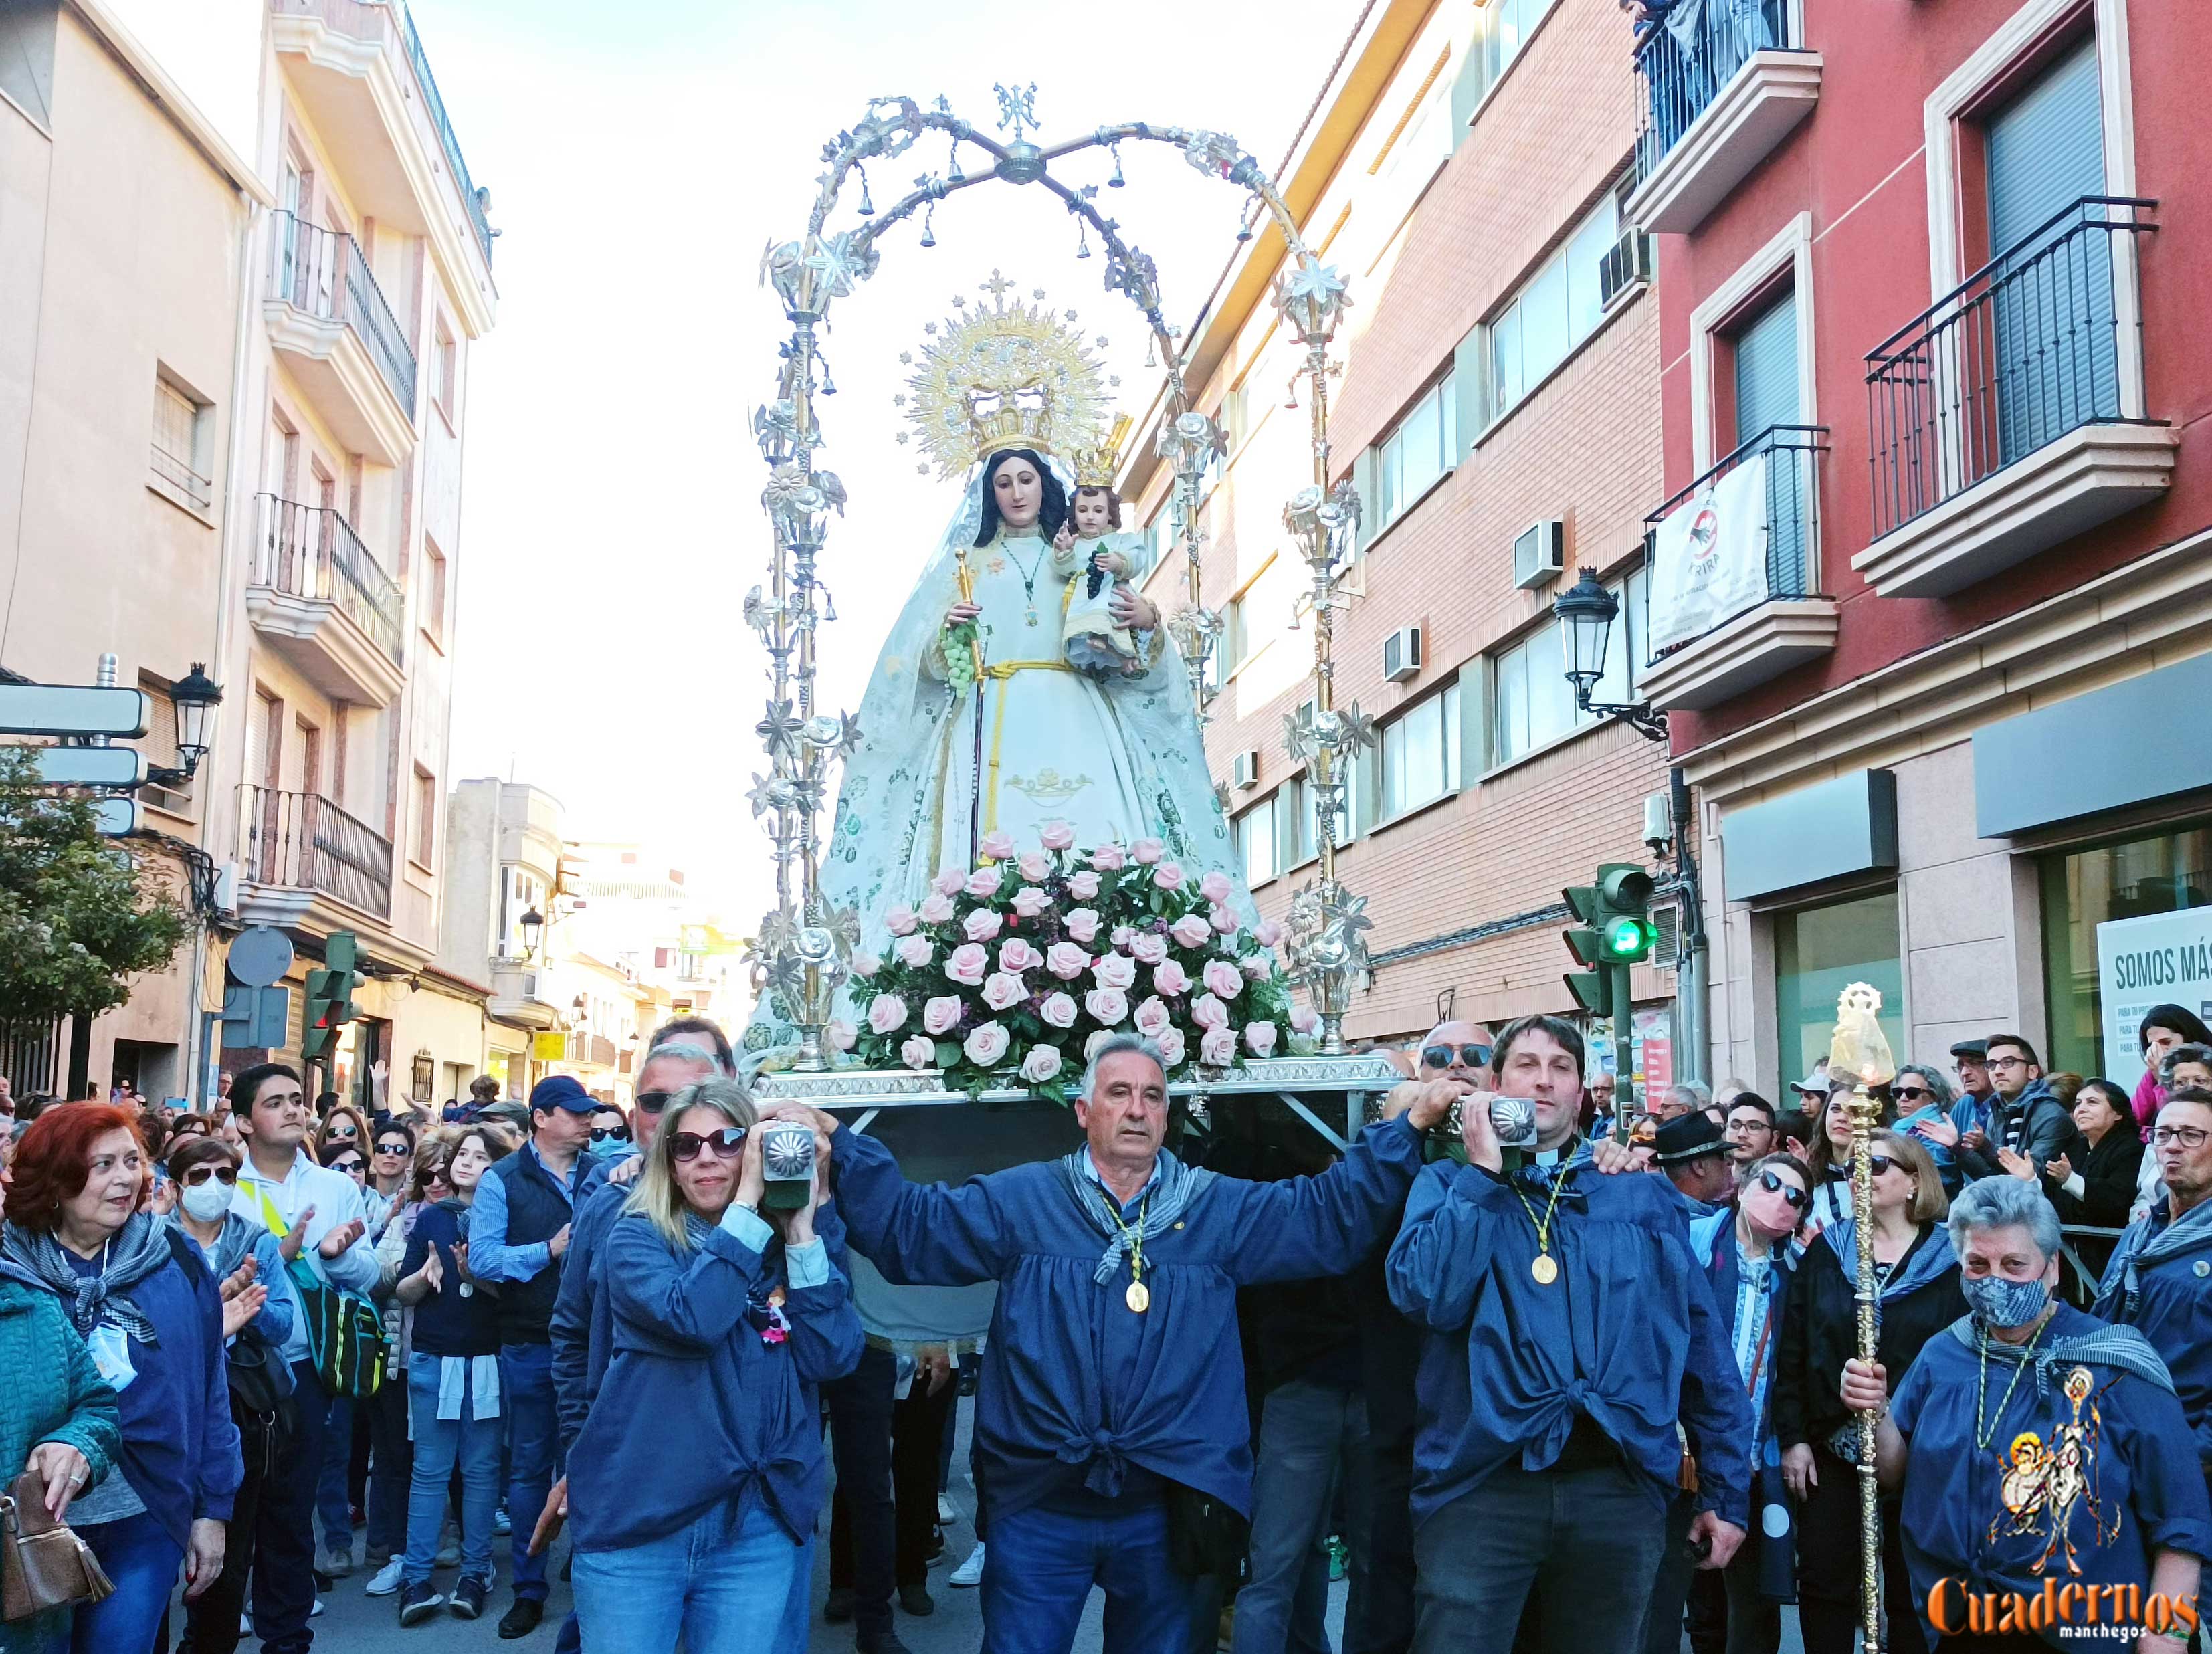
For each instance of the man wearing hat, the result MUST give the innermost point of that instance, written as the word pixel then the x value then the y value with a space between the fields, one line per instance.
pixel 1970 1060
pixel 1694 1152
pixel 518 1235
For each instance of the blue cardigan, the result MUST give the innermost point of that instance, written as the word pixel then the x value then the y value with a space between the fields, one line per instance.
pixel 180 1452
pixel 1628 1336
pixel 1077 1389
pixel 697 1407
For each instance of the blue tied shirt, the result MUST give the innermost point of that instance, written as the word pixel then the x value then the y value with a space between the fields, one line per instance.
pixel 490 1258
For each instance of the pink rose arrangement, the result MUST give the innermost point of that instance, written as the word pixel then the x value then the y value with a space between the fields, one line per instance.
pixel 1011 975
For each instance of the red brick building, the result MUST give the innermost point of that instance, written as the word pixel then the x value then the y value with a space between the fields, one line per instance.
pixel 1500 407
pixel 1939 269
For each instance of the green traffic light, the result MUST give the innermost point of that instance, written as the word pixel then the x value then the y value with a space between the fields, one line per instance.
pixel 1628 938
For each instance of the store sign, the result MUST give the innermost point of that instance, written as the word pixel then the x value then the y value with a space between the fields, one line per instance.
pixel 549 1047
pixel 2161 958
pixel 1708 557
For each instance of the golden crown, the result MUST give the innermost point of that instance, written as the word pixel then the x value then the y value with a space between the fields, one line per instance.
pixel 1096 467
pixel 1006 376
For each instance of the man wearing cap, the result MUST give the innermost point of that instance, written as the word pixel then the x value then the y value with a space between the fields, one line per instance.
pixel 1978 1094
pixel 1694 1152
pixel 518 1235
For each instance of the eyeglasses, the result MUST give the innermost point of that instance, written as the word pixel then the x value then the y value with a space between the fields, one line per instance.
pixel 653 1101
pixel 227 1175
pixel 1910 1093
pixel 1440 1057
pixel 392 1148
pixel 2006 1062
pixel 1772 1184
pixel 342 1133
pixel 2187 1136
pixel 619 1133
pixel 685 1146
pixel 1880 1163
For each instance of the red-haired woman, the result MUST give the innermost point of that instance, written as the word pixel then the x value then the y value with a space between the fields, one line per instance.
pixel 139 1295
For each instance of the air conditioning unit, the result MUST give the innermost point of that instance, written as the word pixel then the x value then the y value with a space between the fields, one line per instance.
pixel 1540 553
pixel 1624 270
pixel 1247 769
pixel 1402 653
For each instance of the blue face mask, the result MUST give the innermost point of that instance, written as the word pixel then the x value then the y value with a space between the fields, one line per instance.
pixel 2005 1303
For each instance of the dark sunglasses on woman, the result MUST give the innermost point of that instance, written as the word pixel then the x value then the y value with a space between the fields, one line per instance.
pixel 227 1175
pixel 1912 1096
pixel 727 1143
pixel 1440 1057
pixel 1772 1184
pixel 1880 1163
pixel 618 1134
pixel 342 1133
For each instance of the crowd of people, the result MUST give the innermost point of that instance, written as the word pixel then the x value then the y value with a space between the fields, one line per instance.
pixel 1597 1391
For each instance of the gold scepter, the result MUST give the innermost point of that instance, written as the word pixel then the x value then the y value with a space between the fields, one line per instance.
pixel 1859 1050
pixel 966 577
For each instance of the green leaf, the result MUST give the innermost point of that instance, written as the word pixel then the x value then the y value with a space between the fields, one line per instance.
pixel 948 1056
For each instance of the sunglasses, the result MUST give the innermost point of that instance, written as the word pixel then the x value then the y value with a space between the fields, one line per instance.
pixel 685 1146
pixel 227 1175
pixel 342 1133
pixel 392 1148
pixel 1880 1163
pixel 619 1133
pixel 1910 1093
pixel 654 1102
pixel 1472 1056
pixel 1772 1184
pixel 351 1168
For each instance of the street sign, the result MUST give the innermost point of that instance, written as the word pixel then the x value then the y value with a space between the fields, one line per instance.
pixel 73 710
pixel 259 955
pixel 117 817
pixel 90 766
pixel 549 1047
pixel 256 1017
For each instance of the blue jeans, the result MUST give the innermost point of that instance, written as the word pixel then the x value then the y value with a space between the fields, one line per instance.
pixel 723 1583
pixel 533 1440
pixel 140 1557
pixel 1042 1564
pixel 333 1508
pixel 440 1445
pixel 1310 1435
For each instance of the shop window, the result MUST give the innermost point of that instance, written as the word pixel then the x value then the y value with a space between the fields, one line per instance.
pixel 1818 953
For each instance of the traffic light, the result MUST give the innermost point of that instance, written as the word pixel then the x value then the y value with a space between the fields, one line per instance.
pixel 1616 932
pixel 330 996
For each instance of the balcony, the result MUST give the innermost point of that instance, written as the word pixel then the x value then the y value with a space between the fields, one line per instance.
pixel 1719 96
pixel 514 998
pixel 2003 420
pixel 340 339
pixel 298 849
pixel 323 604
pixel 1781 621
pixel 359 70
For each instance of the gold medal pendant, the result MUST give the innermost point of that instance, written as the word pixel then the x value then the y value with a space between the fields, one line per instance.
pixel 1545 1268
pixel 1139 1297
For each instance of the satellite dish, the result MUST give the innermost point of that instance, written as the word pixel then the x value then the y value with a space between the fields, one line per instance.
pixel 260 956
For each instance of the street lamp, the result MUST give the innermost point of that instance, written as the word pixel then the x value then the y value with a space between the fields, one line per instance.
pixel 193 699
pixel 533 927
pixel 1586 612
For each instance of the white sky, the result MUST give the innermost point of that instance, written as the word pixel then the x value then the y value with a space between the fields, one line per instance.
pixel 639 159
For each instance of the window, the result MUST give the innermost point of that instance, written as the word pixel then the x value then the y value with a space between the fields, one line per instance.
pixel 1533 703
pixel 518 893
pixel 1420 754
pixel 444 365
pixel 1821 952
pixel 1508 25
pixel 1260 612
pixel 181 440
pixel 1556 309
pixel 1256 842
pixel 1295 828
pixel 426 816
pixel 160 746
pixel 433 592
pixel 1767 394
pixel 1420 449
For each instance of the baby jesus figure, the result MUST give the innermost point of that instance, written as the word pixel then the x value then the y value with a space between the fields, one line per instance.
pixel 1091 640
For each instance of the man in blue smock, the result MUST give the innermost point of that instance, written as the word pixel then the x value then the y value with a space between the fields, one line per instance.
pixel 1571 1328
pixel 2159 1279
pixel 1112 1441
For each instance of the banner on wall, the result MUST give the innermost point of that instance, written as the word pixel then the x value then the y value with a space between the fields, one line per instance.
pixel 1708 557
pixel 2161 958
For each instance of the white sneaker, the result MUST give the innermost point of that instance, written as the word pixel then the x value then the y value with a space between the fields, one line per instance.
pixel 386 1580
pixel 946 1510
pixel 969 1572
pixel 315 1612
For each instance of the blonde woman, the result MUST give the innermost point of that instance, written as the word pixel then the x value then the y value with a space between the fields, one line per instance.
pixel 698 1475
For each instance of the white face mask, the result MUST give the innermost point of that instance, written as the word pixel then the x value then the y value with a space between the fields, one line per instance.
pixel 205 1202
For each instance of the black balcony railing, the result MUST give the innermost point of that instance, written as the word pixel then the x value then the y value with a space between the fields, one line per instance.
pixel 1793 516
pixel 311 551
pixel 2024 350
pixel 1684 68
pixel 452 145
pixel 323 272
pixel 301 841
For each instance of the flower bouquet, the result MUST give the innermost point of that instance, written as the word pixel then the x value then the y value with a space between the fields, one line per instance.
pixel 1011 974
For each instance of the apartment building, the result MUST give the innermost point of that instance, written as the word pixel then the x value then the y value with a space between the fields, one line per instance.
pixel 235 318
pixel 1935 387
pixel 1499 409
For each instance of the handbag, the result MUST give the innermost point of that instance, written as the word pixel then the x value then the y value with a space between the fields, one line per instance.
pixel 1206 1535
pixel 43 1564
pixel 345 1334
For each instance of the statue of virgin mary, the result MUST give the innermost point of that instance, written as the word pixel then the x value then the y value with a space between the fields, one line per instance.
pixel 951 756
